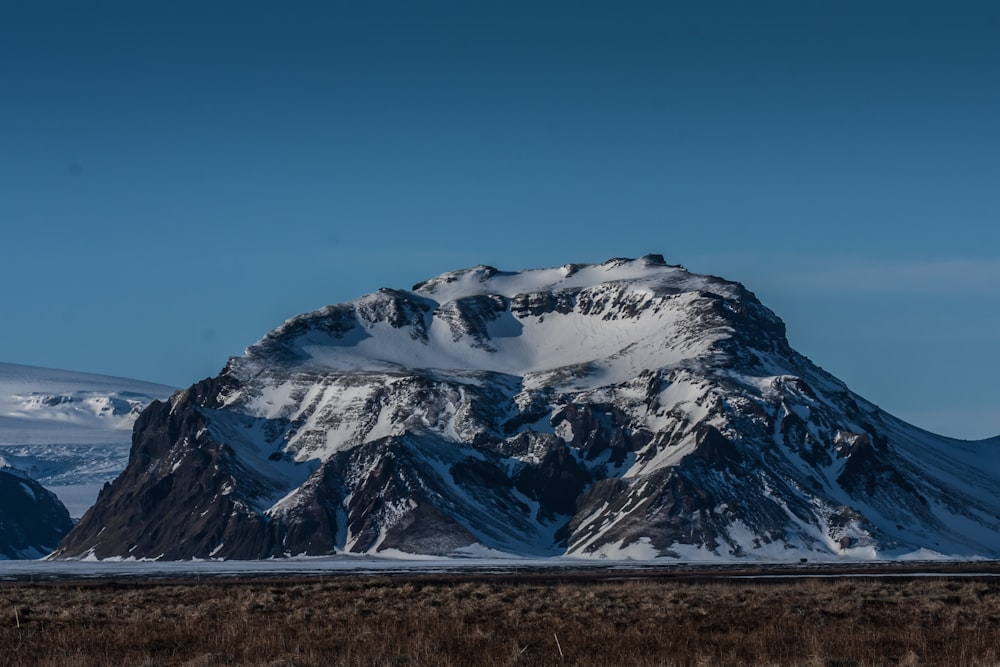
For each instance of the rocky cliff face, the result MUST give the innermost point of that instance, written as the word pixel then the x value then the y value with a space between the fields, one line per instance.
pixel 32 520
pixel 627 409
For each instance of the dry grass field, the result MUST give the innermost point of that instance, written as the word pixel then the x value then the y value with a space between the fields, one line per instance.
pixel 466 620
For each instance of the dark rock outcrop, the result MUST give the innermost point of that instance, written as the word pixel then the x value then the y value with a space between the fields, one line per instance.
pixel 32 519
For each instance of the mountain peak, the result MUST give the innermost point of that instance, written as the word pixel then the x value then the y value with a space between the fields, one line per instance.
pixel 623 409
pixel 487 279
pixel 591 324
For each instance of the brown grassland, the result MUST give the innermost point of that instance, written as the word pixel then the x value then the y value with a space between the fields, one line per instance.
pixel 502 620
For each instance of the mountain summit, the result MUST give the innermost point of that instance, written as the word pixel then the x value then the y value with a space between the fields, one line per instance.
pixel 625 409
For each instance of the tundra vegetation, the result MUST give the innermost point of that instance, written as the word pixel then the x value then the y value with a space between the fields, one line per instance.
pixel 502 620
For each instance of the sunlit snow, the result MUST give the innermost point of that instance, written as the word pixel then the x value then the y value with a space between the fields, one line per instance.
pixel 69 431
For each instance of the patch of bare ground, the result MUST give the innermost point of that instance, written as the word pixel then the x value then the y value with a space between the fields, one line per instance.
pixel 502 621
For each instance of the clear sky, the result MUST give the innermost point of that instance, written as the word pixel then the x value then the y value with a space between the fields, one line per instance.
pixel 177 178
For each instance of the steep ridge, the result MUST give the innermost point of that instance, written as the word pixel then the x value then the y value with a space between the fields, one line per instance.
pixel 627 409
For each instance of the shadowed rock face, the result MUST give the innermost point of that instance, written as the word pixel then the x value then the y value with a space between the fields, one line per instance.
pixel 32 519
pixel 627 409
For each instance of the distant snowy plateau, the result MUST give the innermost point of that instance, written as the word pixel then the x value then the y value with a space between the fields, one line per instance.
pixel 64 431
pixel 629 409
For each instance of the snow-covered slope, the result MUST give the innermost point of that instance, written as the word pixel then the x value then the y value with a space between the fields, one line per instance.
pixel 627 409
pixel 69 431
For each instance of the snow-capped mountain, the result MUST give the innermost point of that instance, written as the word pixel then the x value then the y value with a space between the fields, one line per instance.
pixel 627 409
pixel 69 431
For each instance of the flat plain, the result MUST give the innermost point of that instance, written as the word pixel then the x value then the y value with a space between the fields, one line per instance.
pixel 697 618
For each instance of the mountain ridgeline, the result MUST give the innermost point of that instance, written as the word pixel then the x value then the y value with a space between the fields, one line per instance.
pixel 629 409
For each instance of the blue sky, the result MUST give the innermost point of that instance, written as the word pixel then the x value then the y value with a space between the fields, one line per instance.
pixel 177 178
